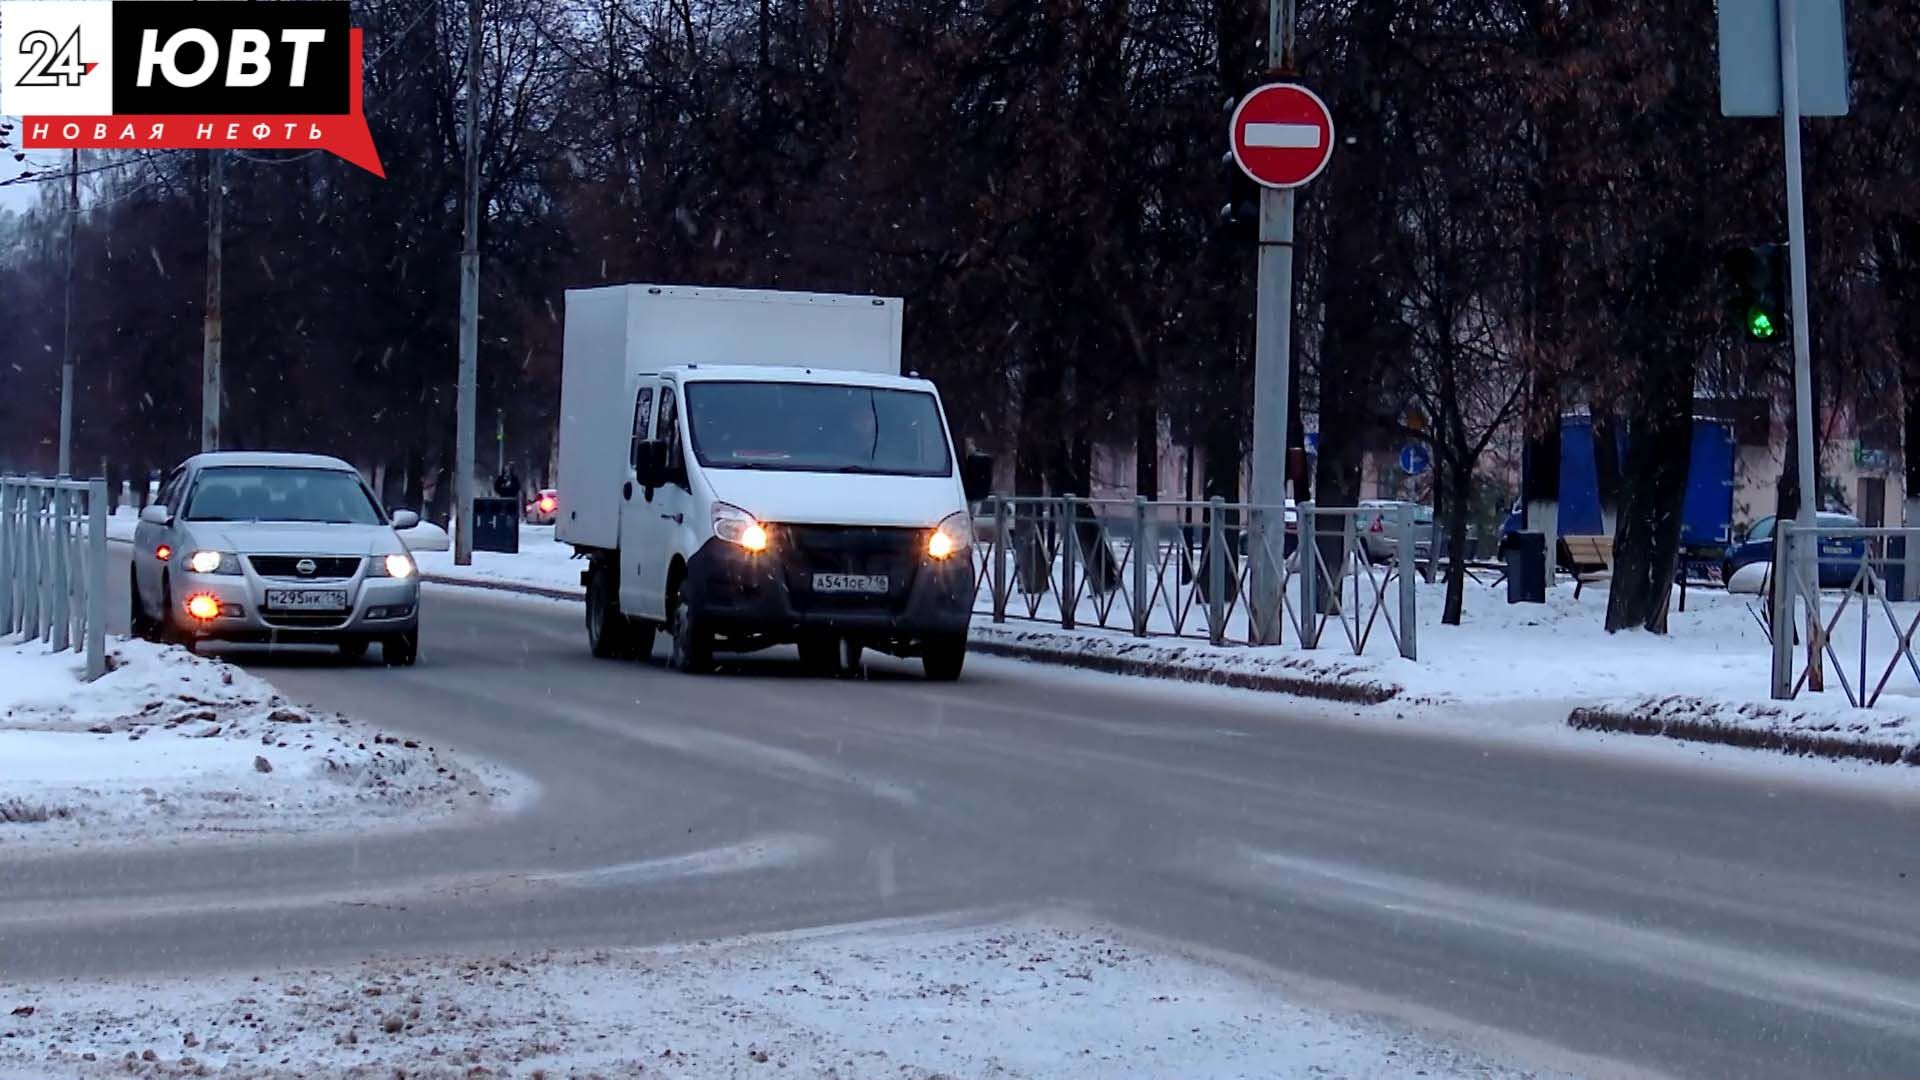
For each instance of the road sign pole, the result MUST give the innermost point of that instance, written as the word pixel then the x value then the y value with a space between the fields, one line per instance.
pixel 1802 347
pixel 212 329
pixel 1273 334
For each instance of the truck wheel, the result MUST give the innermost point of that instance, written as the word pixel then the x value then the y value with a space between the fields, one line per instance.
pixel 609 634
pixel 944 657
pixel 138 623
pixel 692 645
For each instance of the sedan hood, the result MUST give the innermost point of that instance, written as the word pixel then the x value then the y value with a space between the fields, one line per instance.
pixel 295 538
pixel 802 498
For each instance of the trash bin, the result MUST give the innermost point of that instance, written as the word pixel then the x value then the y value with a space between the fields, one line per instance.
pixel 1526 568
pixel 496 525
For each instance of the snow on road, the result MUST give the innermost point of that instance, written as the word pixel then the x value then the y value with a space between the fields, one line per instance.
pixel 1032 999
pixel 170 745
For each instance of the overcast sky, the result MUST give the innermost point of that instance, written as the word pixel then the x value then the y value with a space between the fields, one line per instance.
pixel 20 197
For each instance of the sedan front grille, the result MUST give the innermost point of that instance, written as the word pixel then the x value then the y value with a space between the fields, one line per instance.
pixel 324 567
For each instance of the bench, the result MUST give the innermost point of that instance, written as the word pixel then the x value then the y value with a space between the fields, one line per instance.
pixel 1589 557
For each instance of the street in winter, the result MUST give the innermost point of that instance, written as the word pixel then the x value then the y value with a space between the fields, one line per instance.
pixel 1154 539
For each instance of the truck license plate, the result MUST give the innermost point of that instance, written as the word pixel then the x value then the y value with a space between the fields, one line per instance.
pixel 850 583
pixel 307 599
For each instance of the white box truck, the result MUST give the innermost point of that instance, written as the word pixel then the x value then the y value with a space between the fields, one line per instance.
pixel 749 468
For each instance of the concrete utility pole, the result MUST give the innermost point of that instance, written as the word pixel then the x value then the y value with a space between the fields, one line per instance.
pixel 66 345
pixel 1273 335
pixel 469 308
pixel 210 356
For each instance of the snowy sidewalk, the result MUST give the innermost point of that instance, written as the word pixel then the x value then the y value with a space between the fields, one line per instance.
pixel 1065 1001
pixel 171 746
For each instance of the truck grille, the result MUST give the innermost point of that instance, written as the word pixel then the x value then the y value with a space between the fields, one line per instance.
pixel 839 549
pixel 325 567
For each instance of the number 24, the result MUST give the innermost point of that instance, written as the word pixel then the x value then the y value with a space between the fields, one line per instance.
pixel 55 63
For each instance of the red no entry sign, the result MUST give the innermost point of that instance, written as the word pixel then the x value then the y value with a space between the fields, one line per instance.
pixel 1282 135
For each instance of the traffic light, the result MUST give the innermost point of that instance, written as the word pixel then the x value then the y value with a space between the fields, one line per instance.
pixel 1757 305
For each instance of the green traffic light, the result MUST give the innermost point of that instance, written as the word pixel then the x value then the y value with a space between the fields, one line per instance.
pixel 1760 324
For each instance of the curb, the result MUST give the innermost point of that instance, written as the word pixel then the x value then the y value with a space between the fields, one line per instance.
pixel 1347 693
pixel 1298 686
pixel 1684 729
pixel 518 587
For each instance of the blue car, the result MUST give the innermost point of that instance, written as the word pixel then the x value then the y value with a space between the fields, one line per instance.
pixel 1839 556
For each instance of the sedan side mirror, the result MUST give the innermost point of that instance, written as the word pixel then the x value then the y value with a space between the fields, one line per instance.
pixel 405 519
pixel 976 476
pixel 155 514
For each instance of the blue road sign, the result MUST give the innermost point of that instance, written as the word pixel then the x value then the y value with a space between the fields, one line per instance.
pixel 1414 459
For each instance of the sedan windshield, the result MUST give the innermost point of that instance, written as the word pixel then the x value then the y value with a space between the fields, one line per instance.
pixel 265 493
pixel 807 427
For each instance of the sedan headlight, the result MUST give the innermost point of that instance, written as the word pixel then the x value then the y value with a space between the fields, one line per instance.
pixel 213 562
pixel 950 536
pixel 736 526
pixel 393 566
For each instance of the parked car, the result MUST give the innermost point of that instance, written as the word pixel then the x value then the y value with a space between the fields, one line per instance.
pixel 1839 557
pixel 1378 535
pixel 542 508
pixel 275 548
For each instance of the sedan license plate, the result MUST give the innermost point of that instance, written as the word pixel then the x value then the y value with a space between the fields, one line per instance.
pixel 1835 549
pixel 307 599
pixel 850 583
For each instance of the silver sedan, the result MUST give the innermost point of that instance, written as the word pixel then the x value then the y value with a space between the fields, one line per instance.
pixel 277 548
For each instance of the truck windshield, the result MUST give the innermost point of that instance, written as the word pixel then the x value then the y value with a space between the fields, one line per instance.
pixel 808 427
pixel 235 493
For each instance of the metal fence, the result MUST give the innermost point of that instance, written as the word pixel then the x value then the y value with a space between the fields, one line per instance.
pixel 1198 569
pixel 53 564
pixel 1870 577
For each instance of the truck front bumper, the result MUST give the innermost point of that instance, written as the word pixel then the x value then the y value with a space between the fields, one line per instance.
pixel 770 595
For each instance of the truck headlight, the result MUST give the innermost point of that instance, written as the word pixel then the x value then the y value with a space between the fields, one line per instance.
pixel 949 536
pixel 213 562
pixel 736 526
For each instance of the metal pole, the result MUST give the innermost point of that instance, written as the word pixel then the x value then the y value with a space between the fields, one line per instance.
pixel 1780 617
pixel 1217 570
pixel 1145 558
pixel 66 346
pixel 500 442
pixel 1273 334
pixel 1069 551
pixel 1802 348
pixel 210 357
pixel 97 509
pixel 1000 540
pixel 1409 594
pixel 469 307
pixel 1308 550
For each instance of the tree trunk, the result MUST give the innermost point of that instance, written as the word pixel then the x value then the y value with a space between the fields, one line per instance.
pixel 1146 446
pixel 1646 546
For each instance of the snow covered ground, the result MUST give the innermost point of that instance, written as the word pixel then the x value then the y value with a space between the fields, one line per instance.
pixel 542 561
pixel 1056 999
pixel 171 746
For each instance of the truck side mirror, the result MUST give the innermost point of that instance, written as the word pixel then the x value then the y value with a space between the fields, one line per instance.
pixel 649 464
pixel 976 476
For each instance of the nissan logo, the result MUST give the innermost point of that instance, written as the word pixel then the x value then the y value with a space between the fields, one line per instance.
pixel 306 567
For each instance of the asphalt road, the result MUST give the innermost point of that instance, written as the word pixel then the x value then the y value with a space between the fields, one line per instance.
pixel 1592 911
